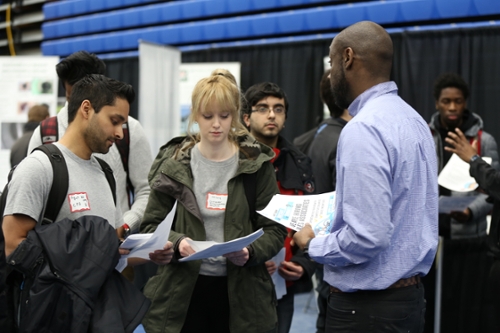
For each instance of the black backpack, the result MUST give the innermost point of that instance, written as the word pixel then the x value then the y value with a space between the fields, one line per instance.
pixel 57 196
pixel 304 141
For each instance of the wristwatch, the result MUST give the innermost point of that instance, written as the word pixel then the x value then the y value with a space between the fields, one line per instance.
pixel 473 158
pixel 306 250
pixel 126 228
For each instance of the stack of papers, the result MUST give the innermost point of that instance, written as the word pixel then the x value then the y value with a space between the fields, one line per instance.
pixel 210 249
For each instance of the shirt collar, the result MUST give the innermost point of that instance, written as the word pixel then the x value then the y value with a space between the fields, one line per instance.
pixel 373 92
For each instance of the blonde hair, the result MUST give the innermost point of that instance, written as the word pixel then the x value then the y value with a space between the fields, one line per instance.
pixel 221 88
pixel 224 72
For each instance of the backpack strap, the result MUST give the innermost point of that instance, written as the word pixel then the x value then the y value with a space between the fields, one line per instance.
pixel 108 172
pixel 123 146
pixel 60 183
pixel 49 130
pixel 250 185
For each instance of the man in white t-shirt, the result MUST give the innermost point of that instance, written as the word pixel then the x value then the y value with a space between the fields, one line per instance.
pixel 98 108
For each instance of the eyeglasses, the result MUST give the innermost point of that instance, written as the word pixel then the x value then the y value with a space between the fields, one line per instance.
pixel 264 110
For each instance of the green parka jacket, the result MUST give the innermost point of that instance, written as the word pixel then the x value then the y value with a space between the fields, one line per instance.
pixel 252 298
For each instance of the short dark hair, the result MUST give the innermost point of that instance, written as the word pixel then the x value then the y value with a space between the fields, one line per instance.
pixel 100 91
pixel 78 65
pixel 450 80
pixel 260 91
pixel 326 95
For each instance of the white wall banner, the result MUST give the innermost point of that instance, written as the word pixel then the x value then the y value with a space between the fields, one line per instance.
pixel 159 93
pixel 24 82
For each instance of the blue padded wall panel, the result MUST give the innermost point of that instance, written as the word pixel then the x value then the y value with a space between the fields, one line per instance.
pixel 94 43
pixel 151 35
pixel 264 4
pixel 349 14
pixel 486 7
pixel 63 28
pixel 239 6
pixel 215 7
pixel 263 24
pixel 111 42
pixel 64 9
pixel 214 30
pixel 49 30
pixel 48 48
pixel 96 5
pixel 170 12
pixel 50 12
pixel 420 10
pixel 79 7
pixel 130 18
pixel 455 8
pixel 192 9
pixel 79 26
pixel 238 27
pixel 112 20
pixel 321 18
pixel 383 12
pixel 129 39
pixel 170 35
pixel 149 15
pixel 292 21
pixel 293 2
pixel 191 32
pixel 95 23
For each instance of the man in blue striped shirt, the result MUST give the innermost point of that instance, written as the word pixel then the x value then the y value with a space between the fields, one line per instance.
pixel 384 235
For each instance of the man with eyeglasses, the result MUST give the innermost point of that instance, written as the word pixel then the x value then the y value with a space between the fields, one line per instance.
pixel 264 115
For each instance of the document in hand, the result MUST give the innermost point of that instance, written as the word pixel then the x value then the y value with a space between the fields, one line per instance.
pixel 140 245
pixel 455 175
pixel 278 280
pixel 294 211
pixel 209 249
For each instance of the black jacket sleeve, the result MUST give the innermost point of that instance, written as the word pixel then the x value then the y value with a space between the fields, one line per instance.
pixel 486 176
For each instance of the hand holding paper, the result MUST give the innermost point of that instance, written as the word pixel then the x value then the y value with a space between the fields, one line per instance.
pixel 141 245
pixel 294 211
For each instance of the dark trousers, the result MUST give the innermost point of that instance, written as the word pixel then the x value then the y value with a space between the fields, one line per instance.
pixel 285 312
pixel 391 310
pixel 209 306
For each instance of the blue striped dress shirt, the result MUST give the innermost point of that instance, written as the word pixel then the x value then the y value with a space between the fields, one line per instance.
pixel 386 223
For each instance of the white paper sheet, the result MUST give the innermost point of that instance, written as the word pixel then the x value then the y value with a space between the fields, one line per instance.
pixel 294 211
pixel 209 249
pixel 278 280
pixel 455 175
pixel 141 245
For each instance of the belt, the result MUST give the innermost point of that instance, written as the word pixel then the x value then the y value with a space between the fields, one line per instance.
pixel 411 281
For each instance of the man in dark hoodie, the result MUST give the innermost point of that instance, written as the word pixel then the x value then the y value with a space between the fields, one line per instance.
pixel 464 249
pixel 19 150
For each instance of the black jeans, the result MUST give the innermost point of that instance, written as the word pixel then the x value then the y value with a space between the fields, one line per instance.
pixel 390 310
pixel 209 306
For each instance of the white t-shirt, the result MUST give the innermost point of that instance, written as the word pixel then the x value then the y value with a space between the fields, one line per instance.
pixel 89 192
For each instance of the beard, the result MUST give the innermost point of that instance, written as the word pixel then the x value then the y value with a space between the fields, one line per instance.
pixel 340 90
pixel 95 138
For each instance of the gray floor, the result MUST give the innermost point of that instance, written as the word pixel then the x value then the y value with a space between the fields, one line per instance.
pixel 304 315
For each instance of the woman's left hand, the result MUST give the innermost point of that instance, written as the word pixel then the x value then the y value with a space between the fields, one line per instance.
pixel 239 258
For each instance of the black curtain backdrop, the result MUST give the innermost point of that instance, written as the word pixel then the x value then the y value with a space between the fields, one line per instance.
pixel 419 57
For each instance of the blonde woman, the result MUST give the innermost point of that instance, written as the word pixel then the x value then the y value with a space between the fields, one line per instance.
pixel 204 172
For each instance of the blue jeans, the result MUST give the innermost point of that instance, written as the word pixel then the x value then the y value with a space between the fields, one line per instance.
pixel 390 310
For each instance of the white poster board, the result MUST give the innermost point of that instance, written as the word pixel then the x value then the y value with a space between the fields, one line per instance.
pixel 190 74
pixel 24 82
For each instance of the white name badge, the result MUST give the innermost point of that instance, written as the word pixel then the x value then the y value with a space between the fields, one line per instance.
pixel 216 201
pixel 78 202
